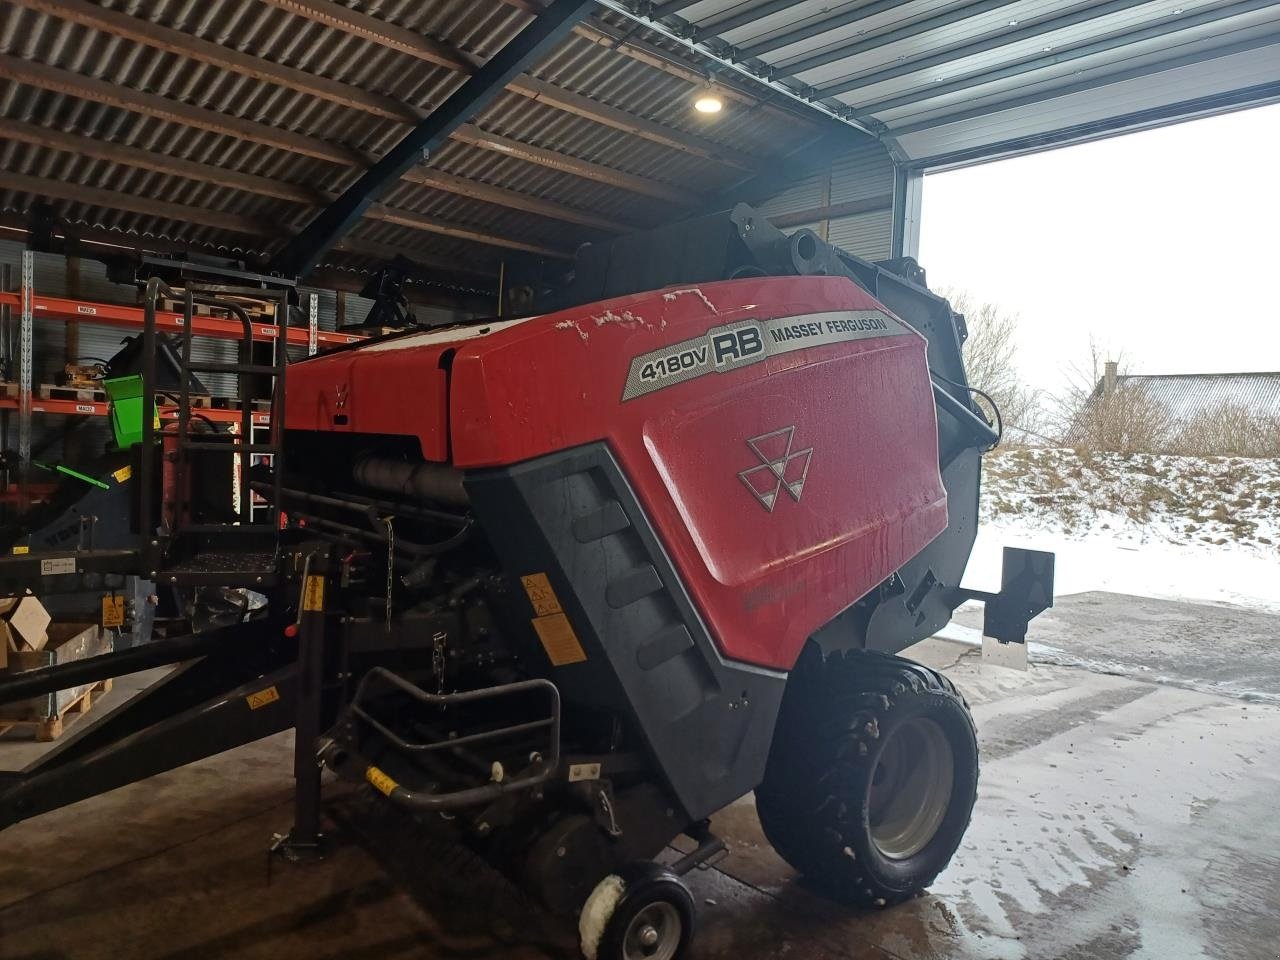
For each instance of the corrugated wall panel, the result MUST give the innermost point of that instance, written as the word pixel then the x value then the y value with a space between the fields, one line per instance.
pixel 867 235
pixel 860 175
pixel 803 195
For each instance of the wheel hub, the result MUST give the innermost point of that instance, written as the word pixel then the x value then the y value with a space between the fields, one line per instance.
pixel 654 933
pixel 910 788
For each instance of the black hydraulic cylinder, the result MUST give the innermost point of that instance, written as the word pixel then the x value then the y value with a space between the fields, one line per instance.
pixel 420 481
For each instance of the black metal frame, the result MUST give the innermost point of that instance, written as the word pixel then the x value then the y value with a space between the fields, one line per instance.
pixel 346 758
pixel 302 254
pixel 156 545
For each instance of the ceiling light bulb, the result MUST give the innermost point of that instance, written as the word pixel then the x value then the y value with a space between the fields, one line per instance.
pixel 708 102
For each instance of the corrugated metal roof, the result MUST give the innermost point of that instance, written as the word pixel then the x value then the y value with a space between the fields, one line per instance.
pixel 1187 395
pixel 950 82
pixel 224 124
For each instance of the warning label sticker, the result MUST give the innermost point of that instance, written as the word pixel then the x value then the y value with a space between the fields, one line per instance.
pixel 57 566
pixel 739 344
pixel 113 611
pixel 263 697
pixel 543 598
pixel 381 782
pixel 559 640
pixel 313 593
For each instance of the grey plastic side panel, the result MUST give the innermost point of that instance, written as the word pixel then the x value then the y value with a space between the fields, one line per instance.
pixel 707 723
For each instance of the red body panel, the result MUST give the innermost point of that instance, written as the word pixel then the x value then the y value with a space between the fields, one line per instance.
pixel 837 488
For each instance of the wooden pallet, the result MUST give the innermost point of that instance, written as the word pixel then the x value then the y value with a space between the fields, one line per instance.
pixel 51 391
pixel 51 727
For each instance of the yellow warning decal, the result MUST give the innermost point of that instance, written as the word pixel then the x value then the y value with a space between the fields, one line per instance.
pixel 262 698
pixel 123 474
pixel 544 599
pixel 313 593
pixel 113 611
pixel 559 640
pixel 380 780
pixel 21 550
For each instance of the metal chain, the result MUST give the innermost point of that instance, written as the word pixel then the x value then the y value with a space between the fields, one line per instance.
pixel 391 565
pixel 437 659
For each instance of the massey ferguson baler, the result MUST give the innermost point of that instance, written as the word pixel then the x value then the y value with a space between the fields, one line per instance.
pixel 576 581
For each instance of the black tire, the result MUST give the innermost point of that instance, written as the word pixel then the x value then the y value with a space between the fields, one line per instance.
pixel 872 775
pixel 652 896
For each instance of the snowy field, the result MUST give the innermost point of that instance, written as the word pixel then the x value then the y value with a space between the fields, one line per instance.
pixel 1173 528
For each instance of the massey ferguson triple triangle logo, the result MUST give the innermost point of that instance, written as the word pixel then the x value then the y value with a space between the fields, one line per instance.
pixel 779 469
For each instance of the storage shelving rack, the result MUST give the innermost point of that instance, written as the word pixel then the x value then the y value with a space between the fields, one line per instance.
pixel 29 306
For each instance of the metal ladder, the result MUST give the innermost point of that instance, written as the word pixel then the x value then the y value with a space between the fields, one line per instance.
pixel 240 551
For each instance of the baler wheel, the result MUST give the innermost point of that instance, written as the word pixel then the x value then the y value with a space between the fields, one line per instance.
pixel 643 912
pixel 872 775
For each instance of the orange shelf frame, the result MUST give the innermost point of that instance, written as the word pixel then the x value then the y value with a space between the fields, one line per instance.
pixel 84 408
pixel 119 315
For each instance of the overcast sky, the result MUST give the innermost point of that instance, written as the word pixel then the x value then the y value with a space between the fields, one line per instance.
pixel 1163 245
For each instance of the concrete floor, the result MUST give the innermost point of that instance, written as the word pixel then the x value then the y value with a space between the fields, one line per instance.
pixel 1116 818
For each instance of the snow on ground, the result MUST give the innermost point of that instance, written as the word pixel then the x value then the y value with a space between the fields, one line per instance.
pixel 1174 528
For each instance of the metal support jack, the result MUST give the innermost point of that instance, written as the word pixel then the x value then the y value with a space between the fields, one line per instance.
pixel 305 841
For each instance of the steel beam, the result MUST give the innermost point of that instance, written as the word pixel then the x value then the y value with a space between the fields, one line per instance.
pixel 1174 24
pixel 357 24
pixel 870 42
pixel 735 20
pixel 532 44
pixel 473 135
pixel 654 21
pixel 1035 29
pixel 908 197
pixel 25 358
pixel 139 30
pixel 153 105
pixel 1109 126
pixel 1011 103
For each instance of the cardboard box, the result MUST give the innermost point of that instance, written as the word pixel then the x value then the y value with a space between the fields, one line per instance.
pixel 66 642
pixel 24 623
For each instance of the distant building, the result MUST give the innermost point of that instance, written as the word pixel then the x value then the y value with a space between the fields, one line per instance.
pixel 1205 413
pixel 1188 395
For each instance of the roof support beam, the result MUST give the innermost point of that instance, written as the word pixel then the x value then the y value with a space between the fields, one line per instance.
pixel 397 38
pixel 260 186
pixel 577 104
pixel 420 221
pixel 328 279
pixel 52 139
pixel 1033 29
pixel 1098 129
pixel 142 31
pixel 473 135
pixel 533 43
pixel 654 21
pixel 378 31
pixel 733 21
pixel 172 111
pixel 876 39
pixel 1093 83
pixel 61 81
pixel 146 206
pixel 1172 25
pixel 514 200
